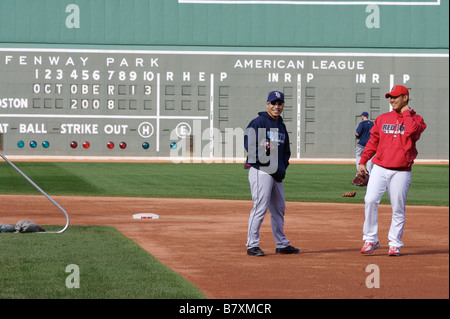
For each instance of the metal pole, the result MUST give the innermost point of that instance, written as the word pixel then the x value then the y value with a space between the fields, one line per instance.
pixel 44 193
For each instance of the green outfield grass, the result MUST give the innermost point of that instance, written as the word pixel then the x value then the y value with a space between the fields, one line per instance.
pixel 111 266
pixel 304 182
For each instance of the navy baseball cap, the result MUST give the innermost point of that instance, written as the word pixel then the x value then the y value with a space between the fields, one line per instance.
pixel 365 114
pixel 275 96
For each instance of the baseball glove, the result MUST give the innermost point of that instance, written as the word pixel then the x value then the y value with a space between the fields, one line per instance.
pixel 361 180
pixel 349 194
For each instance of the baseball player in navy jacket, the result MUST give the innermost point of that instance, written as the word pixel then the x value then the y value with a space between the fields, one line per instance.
pixel 267 143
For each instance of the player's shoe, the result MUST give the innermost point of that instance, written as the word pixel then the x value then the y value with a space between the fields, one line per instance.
pixel 287 250
pixel 255 251
pixel 369 247
pixel 393 251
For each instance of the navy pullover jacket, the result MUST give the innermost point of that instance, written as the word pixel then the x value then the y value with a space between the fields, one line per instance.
pixel 261 150
pixel 363 131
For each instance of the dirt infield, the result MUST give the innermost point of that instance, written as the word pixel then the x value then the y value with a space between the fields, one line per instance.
pixel 204 241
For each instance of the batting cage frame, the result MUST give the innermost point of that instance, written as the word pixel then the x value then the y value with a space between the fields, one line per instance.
pixel 43 193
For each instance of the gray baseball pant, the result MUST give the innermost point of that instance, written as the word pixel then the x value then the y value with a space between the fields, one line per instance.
pixel 359 151
pixel 266 194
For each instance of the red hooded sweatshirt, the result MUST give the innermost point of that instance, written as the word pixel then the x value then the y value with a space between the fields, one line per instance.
pixel 393 140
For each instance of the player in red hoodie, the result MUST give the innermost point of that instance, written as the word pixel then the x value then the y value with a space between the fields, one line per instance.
pixel 393 142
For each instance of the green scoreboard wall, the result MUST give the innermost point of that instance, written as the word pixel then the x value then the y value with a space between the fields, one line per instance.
pixel 164 79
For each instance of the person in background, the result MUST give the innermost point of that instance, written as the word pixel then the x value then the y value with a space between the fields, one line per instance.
pixel 363 135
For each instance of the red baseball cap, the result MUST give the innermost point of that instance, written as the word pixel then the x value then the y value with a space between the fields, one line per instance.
pixel 397 90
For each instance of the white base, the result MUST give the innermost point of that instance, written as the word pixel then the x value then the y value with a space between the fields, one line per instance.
pixel 146 216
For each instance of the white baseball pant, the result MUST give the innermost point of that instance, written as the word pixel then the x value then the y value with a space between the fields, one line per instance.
pixel 266 194
pixel 397 184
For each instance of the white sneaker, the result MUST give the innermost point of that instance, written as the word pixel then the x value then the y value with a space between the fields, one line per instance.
pixel 394 251
pixel 369 247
